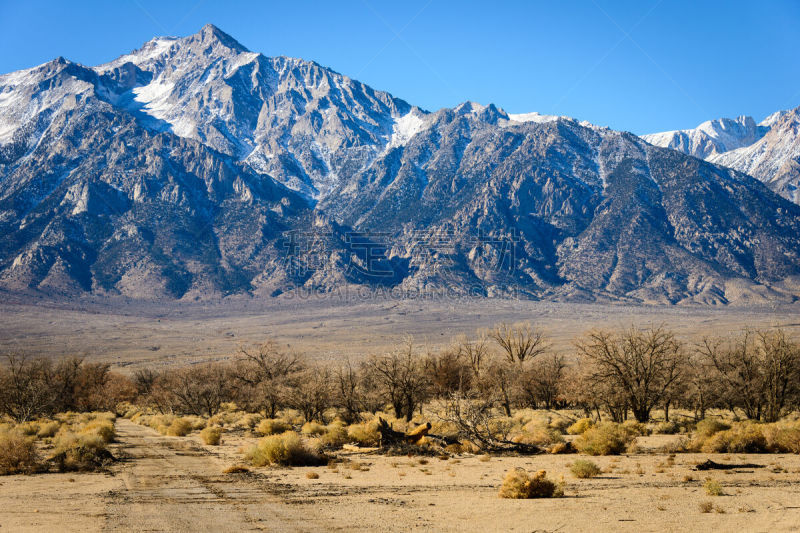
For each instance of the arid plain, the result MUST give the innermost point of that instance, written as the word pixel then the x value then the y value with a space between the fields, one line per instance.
pixel 334 328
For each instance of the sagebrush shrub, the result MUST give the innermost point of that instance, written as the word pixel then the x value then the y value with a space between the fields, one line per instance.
pixel 80 452
pixel 180 427
pixel 48 429
pixel 712 487
pixel 335 436
pixel 538 435
pixel 580 426
pixel 312 428
pixel 606 438
pixel 18 454
pixel 211 435
pixel 365 434
pixel 584 469
pixel 102 428
pixel 272 426
pixel 520 484
pixel 286 449
pixel 744 437
pixel 707 427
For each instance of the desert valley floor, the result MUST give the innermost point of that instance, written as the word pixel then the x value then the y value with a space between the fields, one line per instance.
pixel 334 329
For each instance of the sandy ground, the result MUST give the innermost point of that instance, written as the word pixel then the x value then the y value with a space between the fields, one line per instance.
pixel 147 335
pixel 177 484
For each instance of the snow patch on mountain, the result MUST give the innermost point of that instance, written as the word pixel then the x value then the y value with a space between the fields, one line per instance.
pixel 532 117
pixel 711 137
pixel 405 127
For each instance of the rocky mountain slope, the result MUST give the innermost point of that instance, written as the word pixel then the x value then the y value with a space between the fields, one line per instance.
pixel 193 168
pixel 768 151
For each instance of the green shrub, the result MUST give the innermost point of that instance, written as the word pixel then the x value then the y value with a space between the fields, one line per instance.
pixel 519 484
pixel 272 426
pixel 180 427
pixel 584 469
pixel 286 449
pixel 579 427
pixel 18 454
pixel 606 438
pixel 211 435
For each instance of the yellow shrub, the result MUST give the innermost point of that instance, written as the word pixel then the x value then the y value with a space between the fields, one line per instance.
pixel 584 469
pixel 365 434
pixel 519 484
pixel 211 435
pixel 707 427
pixel 48 428
pixel 18 454
pixel 538 435
pixel 579 427
pixel 180 427
pixel 744 437
pixel 82 452
pixel 606 438
pixel 286 449
pixel 335 436
pixel 312 428
pixel 782 437
pixel 102 428
pixel 272 426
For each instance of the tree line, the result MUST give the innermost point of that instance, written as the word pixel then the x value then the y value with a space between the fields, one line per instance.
pixel 612 373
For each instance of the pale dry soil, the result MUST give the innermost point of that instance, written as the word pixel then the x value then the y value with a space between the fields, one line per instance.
pixel 177 484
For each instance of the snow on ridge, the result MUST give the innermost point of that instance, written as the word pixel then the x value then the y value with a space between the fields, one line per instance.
pixel 532 117
pixel 404 128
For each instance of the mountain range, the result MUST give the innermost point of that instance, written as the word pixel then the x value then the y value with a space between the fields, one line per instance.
pixel 193 168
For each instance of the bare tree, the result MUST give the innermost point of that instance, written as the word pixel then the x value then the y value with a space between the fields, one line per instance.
pixel 310 393
pixel 519 342
pixel 643 364
pixel 201 389
pixel 759 371
pixel 474 351
pixel 266 371
pixel 402 379
pixel 541 384
pixel 25 391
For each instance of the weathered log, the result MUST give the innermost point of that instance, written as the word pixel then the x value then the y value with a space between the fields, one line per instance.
pixel 711 465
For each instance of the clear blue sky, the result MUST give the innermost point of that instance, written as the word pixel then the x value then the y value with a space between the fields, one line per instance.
pixel 640 66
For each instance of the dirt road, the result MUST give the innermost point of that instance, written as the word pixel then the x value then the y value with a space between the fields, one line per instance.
pixel 177 485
